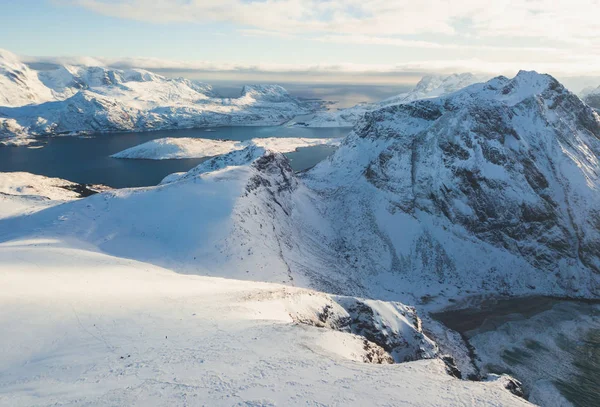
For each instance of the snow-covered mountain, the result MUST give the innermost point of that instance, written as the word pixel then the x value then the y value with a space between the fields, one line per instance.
pixel 591 96
pixel 428 87
pixel 431 86
pixel 71 99
pixel 493 189
pixel 20 85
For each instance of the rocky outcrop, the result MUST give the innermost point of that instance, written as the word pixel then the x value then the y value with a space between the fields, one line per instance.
pixel 392 332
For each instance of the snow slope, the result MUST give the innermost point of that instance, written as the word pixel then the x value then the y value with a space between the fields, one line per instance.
pixel 73 99
pixel 22 192
pixel 19 85
pixel 428 87
pixel 108 331
pixel 176 148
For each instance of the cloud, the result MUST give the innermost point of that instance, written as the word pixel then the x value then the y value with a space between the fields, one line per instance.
pixel 574 22
pixel 573 66
pixel 469 35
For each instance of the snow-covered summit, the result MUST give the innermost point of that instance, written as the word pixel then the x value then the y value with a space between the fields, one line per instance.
pixel 433 86
pixel 428 87
pixel 271 93
pixel 19 85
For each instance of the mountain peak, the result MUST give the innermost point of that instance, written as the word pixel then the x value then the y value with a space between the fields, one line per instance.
pixel 265 92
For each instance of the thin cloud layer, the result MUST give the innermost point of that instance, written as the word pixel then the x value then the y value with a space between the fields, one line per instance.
pixel 573 22
pixel 503 36
pixel 573 67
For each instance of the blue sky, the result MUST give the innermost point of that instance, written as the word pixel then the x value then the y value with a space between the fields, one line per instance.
pixel 373 38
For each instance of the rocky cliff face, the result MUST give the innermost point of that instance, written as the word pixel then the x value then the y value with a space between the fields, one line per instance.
pixel 496 186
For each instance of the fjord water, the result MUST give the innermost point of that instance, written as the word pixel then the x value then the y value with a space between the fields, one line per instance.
pixel 551 345
pixel 87 159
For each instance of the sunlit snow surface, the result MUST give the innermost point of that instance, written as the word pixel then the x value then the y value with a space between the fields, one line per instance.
pixel 88 328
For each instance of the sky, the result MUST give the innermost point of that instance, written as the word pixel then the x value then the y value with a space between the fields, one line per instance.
pixel 372 41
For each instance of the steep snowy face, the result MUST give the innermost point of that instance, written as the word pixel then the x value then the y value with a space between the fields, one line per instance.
pixel 434 86
pixel 84 111
pixel 19 85
pixel 495 185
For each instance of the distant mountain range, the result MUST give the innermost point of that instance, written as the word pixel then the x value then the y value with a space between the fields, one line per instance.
pixel 428 87
pixel 591 96
pixel 75 99
pixel 82 99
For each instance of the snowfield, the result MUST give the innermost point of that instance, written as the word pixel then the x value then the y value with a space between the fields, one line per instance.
pixel 184 147
pixel 108 331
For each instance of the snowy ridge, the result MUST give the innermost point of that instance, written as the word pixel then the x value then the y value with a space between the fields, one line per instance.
pixel 177 148
pixel 431 86
pixel 428 87
pixel 234 158
pixel 74 99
